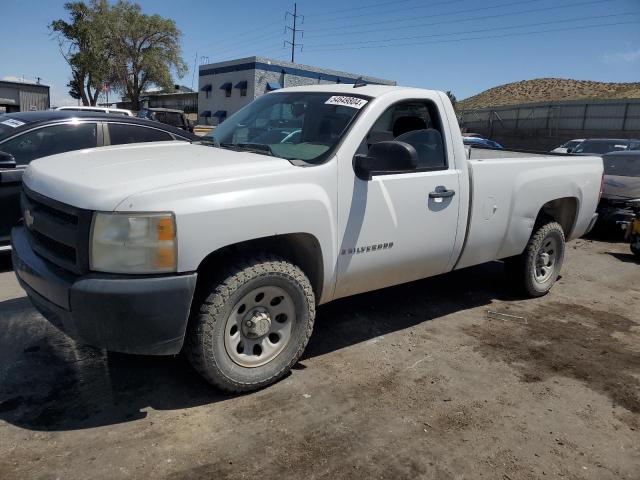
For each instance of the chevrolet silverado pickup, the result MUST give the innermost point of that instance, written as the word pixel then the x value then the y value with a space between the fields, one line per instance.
pixel 225 248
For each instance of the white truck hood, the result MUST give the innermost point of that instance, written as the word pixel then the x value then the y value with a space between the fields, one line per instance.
pixel 101 178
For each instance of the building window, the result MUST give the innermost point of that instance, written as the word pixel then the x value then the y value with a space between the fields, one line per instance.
pixel 242 86
pixel 227 89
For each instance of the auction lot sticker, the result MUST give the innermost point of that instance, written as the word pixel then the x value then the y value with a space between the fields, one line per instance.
pixel 353 102
pixel 12 122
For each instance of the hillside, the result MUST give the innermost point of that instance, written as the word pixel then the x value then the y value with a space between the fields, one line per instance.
pixel 545 89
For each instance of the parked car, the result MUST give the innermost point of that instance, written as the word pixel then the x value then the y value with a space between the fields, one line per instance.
pixel 226 250
pixel 481 142
pixel 568 146
pixel 27 136
pixel 621 186
pixel 115 111
pixel 600 146
pixel 175 118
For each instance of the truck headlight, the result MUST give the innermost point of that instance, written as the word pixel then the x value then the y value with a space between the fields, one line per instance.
pixel 133 243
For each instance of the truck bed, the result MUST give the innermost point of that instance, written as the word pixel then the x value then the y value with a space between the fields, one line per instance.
pixel 508 189
pixel 484 153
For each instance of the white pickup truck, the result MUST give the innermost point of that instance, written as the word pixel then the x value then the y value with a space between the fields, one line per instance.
pixel 306 195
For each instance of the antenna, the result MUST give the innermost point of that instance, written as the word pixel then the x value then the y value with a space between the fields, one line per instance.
pixel 359 83
pixel 294 30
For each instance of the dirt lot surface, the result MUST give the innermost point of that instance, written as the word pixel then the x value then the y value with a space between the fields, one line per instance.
pixel 415 381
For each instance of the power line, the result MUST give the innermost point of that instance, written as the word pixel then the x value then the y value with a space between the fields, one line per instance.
pixel 458 40
pixel 393 10
pixel 465 32
pixel 252 32
pixel 359 7
pixel 294 30
pixel 446 14
pixel 458 20
pixel 241 46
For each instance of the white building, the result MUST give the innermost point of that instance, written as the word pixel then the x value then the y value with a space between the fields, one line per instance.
pixel 225 87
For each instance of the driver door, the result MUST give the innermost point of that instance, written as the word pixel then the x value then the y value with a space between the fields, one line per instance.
pixel 398 227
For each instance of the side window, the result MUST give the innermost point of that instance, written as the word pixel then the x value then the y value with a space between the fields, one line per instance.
pixel 46 141
pixel 416 123
pixel 120 133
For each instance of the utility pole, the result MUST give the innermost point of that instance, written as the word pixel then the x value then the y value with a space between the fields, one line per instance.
pixel 195 66
pixel 294 30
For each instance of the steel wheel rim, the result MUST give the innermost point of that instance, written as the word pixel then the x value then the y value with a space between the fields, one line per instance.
pixel 545 263
pixel 259 326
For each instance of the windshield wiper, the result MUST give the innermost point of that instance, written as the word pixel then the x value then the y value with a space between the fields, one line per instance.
pixel 249 147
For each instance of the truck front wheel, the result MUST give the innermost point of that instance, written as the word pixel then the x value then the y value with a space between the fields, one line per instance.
pixel 535 270
pixel 250 328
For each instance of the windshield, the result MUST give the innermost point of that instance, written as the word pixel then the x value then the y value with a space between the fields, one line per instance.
pixel 601 146
pixel 291 125
pixel 622 165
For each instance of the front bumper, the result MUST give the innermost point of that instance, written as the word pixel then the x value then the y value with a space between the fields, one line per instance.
pixel 123 313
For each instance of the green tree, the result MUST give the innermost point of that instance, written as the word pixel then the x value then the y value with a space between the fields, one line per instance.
pixel 84 42
pixel 452 97
pixel 119 45
pixel 74 89
pixel 146 49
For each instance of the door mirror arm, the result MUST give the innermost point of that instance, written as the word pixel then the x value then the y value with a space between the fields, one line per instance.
pixel 385 157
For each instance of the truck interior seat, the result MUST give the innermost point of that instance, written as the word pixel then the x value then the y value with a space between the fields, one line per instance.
pixel 407 124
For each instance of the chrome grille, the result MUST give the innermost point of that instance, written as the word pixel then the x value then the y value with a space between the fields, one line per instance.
pixel 57 232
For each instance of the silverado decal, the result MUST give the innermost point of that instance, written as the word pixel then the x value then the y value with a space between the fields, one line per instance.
pixel 367 249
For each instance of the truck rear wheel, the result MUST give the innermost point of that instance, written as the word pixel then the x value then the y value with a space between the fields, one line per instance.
pixel 250 328
pixel 535 270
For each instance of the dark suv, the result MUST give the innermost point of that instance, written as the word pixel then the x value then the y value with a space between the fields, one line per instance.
pixel 175 118
pixel 27 136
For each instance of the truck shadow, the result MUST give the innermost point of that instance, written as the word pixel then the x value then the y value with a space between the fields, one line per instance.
pixel 49 383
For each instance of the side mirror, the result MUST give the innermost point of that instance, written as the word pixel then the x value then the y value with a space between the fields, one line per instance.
pixel 386 157
pixel 7 160
pixel 569 150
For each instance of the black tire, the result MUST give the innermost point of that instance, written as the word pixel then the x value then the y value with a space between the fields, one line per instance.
pixel 521 269
pixel 205 344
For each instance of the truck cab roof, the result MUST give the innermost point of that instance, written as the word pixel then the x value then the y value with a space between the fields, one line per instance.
pixel 372 91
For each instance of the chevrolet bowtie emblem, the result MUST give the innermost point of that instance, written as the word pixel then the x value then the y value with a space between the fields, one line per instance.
pixel 28 218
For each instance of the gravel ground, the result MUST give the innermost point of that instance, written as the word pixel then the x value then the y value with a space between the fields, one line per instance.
pixel 415 381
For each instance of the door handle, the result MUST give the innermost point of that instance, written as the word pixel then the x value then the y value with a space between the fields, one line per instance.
pixel 442 193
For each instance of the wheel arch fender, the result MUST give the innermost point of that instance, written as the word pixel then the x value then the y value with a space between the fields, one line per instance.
pixel 301 249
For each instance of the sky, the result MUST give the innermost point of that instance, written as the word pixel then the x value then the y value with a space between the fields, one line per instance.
pixel 465 46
